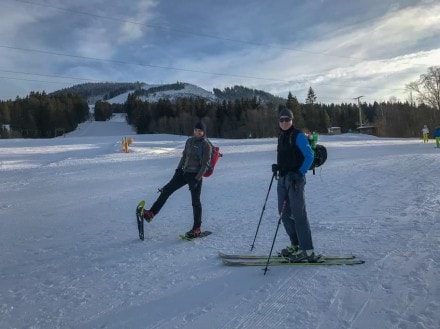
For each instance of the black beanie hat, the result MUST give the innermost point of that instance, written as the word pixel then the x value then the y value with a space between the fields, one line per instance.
pixel 285 112
pixel 200 125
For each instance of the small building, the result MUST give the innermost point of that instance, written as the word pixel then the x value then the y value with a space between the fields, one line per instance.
pixel 334 130
pixel 368 130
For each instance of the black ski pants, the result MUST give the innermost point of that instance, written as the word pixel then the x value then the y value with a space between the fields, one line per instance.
pixel 179 180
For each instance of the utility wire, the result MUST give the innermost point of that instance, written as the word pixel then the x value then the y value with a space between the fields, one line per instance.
pixel 303 81
pixel 49 75
pixel 164 28
pixel 158 27
pixel 33 80
pixel 140 64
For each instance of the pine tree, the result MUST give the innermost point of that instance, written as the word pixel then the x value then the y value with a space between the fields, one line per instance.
pixel 311 97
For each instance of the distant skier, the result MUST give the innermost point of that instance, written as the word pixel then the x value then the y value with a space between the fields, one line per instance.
pixel 425 132
pixel 437 136
pixel 294 157
pixel 193 164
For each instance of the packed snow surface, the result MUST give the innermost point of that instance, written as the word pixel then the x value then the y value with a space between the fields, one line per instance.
pixel 71 257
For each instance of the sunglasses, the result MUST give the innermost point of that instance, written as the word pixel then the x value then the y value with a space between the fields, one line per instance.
pixel 285 119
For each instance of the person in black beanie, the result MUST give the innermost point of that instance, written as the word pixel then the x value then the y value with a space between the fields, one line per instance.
pixel 193 164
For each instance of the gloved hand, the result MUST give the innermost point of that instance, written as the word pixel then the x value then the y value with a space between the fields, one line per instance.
pixel 275 169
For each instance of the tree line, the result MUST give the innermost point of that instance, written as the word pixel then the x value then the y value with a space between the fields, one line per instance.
pixel 42 116
pixel 251 118
pixel 99 90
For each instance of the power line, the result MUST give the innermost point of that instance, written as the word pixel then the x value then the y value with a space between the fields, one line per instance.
pixel 303 81
pixel 49 75
pixel 159 27
pixel 142 64
pixel 33 80
pixel 184 32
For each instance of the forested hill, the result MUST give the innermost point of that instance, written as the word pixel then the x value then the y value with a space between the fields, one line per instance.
pixel 240 92
pixel 93 92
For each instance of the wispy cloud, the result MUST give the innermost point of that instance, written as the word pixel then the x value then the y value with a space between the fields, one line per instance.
pixel 370 48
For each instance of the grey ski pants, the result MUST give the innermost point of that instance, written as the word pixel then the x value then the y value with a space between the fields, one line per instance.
pixel 290 188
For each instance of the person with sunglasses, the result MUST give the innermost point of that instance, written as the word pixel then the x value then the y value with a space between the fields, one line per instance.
pixel 294 157
pixel 193 164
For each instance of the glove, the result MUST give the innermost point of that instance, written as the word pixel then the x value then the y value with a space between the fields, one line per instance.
pixel 275 169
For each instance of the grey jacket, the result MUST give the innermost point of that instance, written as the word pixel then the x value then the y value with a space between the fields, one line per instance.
pixel 191 161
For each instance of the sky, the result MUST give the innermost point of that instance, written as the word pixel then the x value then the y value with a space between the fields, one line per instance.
pixel 342 49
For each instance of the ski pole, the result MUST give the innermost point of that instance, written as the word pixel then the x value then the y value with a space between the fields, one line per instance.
pixel 276 231
pixel 262 211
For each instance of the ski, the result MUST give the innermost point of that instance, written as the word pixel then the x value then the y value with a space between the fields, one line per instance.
pixel 140 219
pixel 321 262
pixel 202 235
pixel 257 257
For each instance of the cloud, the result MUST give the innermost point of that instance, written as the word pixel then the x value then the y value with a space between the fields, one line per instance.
pixel 397 31
pixel 144 13
pixel 338 49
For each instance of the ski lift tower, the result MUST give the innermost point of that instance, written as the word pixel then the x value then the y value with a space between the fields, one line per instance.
pixel 360 111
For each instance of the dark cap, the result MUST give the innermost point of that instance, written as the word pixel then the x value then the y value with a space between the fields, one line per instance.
pixel 200 125
pixel 285 112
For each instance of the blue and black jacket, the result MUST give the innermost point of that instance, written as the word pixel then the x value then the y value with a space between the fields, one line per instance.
pixel 294 152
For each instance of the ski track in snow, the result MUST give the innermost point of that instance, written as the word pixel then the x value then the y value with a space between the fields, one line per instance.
pixel 70 257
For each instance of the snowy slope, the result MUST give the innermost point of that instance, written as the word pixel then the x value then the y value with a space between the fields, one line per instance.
pixel 116 126
pixel 189 90
pixel 70 256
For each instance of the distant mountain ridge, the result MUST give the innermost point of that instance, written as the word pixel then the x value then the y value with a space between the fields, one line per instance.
pixel 94 91
pixel 117 92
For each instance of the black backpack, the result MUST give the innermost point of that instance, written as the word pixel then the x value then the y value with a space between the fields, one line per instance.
pixel 319 151
pixel 320 156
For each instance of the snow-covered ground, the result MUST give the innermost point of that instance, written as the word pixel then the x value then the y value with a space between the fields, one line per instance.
pixel 71 257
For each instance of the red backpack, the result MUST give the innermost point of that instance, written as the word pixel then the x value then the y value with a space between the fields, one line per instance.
pixel 215 155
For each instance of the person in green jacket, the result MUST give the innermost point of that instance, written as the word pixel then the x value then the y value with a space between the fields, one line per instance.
pixel 437 136
pixel 425 133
